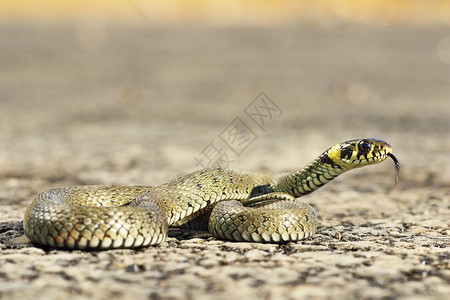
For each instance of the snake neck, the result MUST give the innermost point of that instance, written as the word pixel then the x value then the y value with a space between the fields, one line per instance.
pixel 319 172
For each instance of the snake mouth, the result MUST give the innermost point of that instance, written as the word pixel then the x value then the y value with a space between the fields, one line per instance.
pixel 397 168
pixel 357 160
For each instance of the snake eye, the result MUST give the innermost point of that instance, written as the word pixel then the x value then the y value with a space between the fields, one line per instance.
pixel 365 146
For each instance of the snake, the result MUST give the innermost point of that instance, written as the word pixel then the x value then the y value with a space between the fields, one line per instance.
pixel 231 205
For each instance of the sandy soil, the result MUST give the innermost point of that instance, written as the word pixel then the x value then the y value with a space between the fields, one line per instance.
pixel 138 105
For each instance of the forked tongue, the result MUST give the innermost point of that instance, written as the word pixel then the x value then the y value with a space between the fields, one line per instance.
pixel 397 168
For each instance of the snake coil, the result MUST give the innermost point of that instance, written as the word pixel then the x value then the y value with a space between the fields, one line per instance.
pixel 236 206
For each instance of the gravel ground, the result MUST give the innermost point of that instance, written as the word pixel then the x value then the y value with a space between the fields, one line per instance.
pixel 94 104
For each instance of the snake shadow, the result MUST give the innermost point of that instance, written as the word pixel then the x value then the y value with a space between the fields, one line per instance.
pixel 12 235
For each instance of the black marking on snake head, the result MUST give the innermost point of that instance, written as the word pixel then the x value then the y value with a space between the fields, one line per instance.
pixel 360 154
pixel 324 158
pixel 346 153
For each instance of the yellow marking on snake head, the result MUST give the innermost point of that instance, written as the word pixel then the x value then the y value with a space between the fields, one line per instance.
pixel 335 153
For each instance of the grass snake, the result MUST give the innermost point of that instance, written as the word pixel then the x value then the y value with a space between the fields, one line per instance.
pixel 232 205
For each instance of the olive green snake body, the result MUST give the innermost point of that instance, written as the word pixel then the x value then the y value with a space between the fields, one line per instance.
pixel 237 206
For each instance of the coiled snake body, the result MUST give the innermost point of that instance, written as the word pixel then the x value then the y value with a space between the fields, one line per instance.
pixel 236 206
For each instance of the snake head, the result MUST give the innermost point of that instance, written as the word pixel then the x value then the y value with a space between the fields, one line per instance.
pixel 360 152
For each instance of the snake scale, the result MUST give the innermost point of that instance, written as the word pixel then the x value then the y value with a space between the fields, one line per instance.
pixel 236 206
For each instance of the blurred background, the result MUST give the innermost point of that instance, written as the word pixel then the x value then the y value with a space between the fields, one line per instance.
pixel 230 12
pixel 139 91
